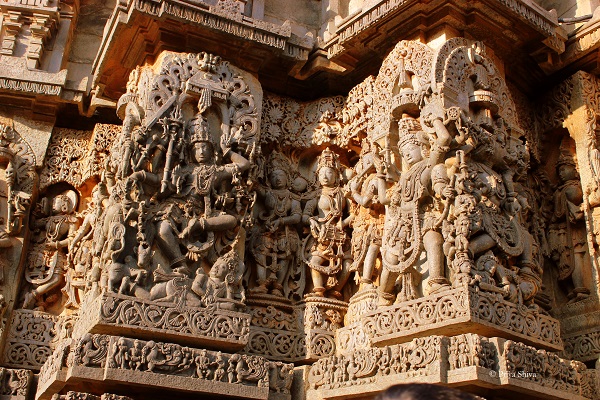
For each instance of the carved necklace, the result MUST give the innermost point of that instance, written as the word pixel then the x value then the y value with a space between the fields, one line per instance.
pixel 55 224
pixel 335 197
pixel 282 197
pixel 204 177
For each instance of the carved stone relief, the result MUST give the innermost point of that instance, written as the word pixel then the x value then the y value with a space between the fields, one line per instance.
pixel 218 236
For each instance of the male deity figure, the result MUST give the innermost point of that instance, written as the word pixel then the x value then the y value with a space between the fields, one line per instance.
pixel 415 204
pixel 48 261
pixel 567 236
pixel 275 244
pixel 329 218
pixel 196 198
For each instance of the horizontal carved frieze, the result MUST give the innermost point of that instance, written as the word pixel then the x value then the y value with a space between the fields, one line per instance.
pixel 207 326
pixel 253 30
pixel 460 309
pixel 124 362
pixel 464 358
pixel 583 347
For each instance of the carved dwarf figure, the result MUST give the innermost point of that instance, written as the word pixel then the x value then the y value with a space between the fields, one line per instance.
pixel 330 256
pixel 275 243
pixel 567 236
pixel 415 206
pixel 48 261
pixel 222 286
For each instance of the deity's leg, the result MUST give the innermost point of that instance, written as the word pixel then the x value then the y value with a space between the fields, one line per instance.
pixel 581 288
pixel 167 241
pixel 32 296
pixel 342 279
pixel 317 277
pixel 386 286
pixel 433 243
pixel 369 264
pixel 481 243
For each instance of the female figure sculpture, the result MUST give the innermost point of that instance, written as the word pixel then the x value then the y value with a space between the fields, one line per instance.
pixel 276 243
pixel 328 217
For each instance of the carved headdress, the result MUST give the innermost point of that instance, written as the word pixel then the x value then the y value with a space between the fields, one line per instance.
pixel 278 161
pixel 410 131
pixel 329 159
pixel 199 130
pixel 566 156
pixel 69 199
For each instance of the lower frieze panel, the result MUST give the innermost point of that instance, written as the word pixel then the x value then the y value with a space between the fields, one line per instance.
pixel 113 363
pixel 467 359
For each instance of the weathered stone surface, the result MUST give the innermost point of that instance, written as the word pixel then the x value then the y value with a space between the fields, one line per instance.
pixel 111 313
pixel 460 310
pixel 195 196
pixel 119 362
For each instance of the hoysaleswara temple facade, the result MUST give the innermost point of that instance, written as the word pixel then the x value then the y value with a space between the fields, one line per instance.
pixel 299 199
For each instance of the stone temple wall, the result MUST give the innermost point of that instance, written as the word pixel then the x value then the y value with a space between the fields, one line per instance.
pixel 422 210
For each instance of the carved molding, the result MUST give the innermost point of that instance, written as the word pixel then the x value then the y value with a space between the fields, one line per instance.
pixel 278 37
pixel 421 357
pixel 584 347
pixel 33 336
pixel 30 87
pixel 527 11
pixel 450 309
pixel 464 358
pixel 202 326
pixel 71 395
pixel 148 362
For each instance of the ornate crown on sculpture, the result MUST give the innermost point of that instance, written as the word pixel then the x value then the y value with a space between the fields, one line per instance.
pixel 278 161
pixel 566 156
pixel 408 131
pixel 328 159
pixel 199 130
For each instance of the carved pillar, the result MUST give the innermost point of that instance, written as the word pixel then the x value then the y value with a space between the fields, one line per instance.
pixel 17 188
pixel 573 104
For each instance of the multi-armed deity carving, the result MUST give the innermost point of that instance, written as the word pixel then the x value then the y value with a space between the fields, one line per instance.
pixel 416 207
pixel 184 177
pixel 167 220
pixel 369 217
pixel 275 243
pixel 54 228
pixel 446 170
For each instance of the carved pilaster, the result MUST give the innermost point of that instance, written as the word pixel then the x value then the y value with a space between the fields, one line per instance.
pixel 41 16
pixel 42 28
pixel 12 25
